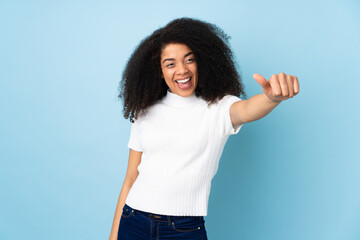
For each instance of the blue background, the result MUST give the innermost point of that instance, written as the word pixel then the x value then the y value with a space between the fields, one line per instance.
pixel 294 174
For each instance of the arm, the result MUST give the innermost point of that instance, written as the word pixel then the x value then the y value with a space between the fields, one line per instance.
pixel 279 87
pixel 131 175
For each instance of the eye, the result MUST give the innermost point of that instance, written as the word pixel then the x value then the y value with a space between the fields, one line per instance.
pixel 170 65
pixel 191 60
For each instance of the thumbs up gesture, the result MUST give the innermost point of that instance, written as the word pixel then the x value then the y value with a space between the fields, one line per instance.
pixel 279 87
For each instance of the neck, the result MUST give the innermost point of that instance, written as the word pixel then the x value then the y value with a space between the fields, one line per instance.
pixel 176 100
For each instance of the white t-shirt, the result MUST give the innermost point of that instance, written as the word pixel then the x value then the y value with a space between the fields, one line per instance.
pixel 182 140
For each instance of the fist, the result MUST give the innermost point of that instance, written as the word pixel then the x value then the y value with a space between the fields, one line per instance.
pixel 279 87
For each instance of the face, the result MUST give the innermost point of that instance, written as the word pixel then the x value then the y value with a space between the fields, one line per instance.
pixel 179 69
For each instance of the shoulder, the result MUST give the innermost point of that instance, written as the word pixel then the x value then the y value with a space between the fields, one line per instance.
pixel 229 98
pixel 226 101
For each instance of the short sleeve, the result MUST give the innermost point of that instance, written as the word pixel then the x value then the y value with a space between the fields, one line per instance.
pixel 225 105
pixel 134 139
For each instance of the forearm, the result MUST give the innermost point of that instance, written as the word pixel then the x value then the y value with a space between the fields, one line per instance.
pixel 258 106
pixel 120 204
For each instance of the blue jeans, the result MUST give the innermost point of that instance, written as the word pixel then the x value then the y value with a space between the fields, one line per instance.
pixel 139 225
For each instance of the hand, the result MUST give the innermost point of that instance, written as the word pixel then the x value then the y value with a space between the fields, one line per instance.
pixel 279 87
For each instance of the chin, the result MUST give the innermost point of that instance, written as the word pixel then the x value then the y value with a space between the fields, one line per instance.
pixel 185 93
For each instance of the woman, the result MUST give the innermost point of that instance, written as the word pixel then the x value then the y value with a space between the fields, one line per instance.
pixel 180 89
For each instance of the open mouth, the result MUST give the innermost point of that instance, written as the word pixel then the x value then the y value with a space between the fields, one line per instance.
pixel 184 84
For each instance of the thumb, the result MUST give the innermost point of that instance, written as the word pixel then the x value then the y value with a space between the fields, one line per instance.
pixel 261 80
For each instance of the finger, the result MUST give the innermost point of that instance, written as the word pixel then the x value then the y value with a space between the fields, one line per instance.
pixel 283 85
pixel 296 86
pixel 261 80
pixel 289 81
pixel 275 85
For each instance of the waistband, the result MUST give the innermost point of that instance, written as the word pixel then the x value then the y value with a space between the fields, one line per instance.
pixel 159 217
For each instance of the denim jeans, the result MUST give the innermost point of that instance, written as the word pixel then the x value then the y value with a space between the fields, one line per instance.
pixel 139 225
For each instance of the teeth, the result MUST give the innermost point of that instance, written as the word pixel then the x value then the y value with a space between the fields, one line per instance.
pixel 183 81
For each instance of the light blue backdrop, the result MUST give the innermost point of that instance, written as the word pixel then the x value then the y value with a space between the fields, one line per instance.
pixel 294 174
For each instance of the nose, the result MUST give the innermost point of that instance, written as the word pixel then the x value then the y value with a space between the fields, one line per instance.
pixel 182 69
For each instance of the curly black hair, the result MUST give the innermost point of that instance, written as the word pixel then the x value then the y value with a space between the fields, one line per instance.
pixel 142 83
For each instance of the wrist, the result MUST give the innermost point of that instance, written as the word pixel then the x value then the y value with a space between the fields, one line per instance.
pixel 272 100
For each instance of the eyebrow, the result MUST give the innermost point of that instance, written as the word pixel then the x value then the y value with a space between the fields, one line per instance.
pixel 171 59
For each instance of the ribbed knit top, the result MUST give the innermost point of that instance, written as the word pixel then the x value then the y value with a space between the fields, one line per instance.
pixel 182 140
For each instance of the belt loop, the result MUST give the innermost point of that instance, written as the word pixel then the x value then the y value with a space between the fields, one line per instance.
pixel 169 220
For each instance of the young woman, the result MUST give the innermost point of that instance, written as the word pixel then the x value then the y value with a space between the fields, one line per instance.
pixel 180 89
